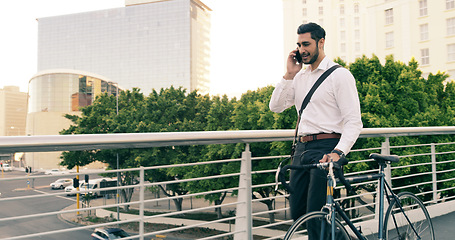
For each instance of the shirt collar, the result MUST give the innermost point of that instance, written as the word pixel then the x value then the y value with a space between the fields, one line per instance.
pixel 323 65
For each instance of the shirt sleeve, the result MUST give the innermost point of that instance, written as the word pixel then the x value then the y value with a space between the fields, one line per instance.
pixel 283 96
pixel 348 102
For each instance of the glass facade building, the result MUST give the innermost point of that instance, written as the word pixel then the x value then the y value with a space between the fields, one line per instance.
pixel 52 95
pixel 150 45
pixel 66 90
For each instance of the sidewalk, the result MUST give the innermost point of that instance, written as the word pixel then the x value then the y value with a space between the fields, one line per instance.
pixel 225 227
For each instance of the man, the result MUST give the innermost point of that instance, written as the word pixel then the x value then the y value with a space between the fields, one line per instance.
pixel 329 125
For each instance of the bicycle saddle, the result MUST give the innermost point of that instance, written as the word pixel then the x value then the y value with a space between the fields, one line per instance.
pixel 381 158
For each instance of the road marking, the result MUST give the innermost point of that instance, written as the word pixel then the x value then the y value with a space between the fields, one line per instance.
pixel 25 189
pixel 62 197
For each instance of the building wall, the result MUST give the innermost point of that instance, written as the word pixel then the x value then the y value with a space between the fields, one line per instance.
pixel 13 111
pixel 358 27
pixel 53 94
pixel 145 45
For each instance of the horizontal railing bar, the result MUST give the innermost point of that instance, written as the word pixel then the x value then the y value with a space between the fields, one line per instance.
pixel 40 234
pixel 445 180
pixel 256 201
pixel 411 175
pixel 443 162
pixel 77 142
pixel 445 171
pixel 412 165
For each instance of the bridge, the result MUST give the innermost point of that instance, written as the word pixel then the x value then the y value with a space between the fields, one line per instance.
pixel 246 217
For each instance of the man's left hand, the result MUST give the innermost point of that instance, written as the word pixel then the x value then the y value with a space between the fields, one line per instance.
pixel 330 157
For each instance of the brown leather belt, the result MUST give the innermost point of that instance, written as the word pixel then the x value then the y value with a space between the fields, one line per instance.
pixel 319 136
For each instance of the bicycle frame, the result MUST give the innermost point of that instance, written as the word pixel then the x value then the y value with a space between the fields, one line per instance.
pixel 332 207
pixel 384 187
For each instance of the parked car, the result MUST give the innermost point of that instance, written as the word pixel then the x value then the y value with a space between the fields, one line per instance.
pixel 6 167
pixel 109 233
pixel 55 172
pixel 61 183
pixel 71 191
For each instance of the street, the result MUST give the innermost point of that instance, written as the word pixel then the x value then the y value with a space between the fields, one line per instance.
pixel 34 206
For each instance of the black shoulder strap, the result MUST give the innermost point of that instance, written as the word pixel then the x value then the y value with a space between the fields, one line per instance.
pixel 315 86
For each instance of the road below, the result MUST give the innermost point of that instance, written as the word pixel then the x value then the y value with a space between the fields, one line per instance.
pixel 34 206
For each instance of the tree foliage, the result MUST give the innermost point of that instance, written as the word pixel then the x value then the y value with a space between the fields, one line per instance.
pixel 392 94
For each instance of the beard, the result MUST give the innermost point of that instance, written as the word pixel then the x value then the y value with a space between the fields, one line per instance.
pixel 315 56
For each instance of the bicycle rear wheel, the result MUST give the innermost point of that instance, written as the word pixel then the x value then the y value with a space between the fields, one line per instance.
pixel 318 224
pixel 412 221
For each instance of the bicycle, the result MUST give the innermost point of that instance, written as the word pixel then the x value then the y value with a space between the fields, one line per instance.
pixel 406 216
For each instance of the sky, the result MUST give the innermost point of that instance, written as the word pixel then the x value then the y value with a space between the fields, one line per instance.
pixel 246 40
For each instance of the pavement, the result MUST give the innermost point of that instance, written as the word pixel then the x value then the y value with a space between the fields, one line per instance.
pixel 164 206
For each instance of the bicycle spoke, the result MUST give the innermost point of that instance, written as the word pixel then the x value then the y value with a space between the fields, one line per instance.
pixel 318 226
pixel 408 219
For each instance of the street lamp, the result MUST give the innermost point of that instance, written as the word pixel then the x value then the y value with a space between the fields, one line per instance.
pixel 118 173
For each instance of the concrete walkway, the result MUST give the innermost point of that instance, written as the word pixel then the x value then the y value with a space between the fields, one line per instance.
pixel 102 213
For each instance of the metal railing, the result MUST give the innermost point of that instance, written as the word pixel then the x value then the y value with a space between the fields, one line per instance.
pixel 251 215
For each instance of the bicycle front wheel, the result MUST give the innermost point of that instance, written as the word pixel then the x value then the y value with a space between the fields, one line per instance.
pixel 316 225
pixel 408 219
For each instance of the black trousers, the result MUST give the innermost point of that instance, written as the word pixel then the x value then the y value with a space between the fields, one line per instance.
pixel 309 185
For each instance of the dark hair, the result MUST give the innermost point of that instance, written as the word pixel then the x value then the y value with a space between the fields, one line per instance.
pixel 317 32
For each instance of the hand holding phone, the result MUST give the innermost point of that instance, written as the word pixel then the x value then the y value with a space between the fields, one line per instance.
pixel 298 57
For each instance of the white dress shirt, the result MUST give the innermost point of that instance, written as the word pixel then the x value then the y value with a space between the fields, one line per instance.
pixel 333 108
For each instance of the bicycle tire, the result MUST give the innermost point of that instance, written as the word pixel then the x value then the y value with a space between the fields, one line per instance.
pixel 396 225
pixel 298 228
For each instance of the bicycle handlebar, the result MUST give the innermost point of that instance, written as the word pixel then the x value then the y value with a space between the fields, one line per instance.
pixel 337 166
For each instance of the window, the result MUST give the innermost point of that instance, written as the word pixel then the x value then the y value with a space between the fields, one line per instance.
pixel 389 16
pixel 423 9
pixel 450 4
pixel 343 35
pixel 450 26
pixel 321 10
pixel 451 52
pixel 342 10
pixel 425 56
pixel 356 21
pixel 357 46
pixel 304 12
pixel 343 47
pixel 342 23
pixel 356 8
pixel 424 32
pixel 389 40
pixel 357 34
pixel 303 1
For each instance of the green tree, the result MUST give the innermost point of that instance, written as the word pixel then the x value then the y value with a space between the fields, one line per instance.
pixel 101 117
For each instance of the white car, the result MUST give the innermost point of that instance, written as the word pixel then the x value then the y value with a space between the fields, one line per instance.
pixel 6 167
pixel 54 172
pixel 70 190
pixel 61 183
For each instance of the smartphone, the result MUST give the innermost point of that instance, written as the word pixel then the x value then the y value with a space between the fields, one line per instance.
pixel 298 57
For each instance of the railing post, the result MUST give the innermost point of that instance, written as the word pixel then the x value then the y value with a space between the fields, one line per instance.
pixel 434 172
pixel 141 200
pixel 243 221
pixel 385 149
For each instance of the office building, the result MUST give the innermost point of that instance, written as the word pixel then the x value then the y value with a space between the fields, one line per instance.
pixel 146 44
pixel 402 28
pixel 53 94
pixel 13 111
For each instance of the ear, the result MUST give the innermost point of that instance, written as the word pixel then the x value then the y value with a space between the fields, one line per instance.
pixel 321 43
